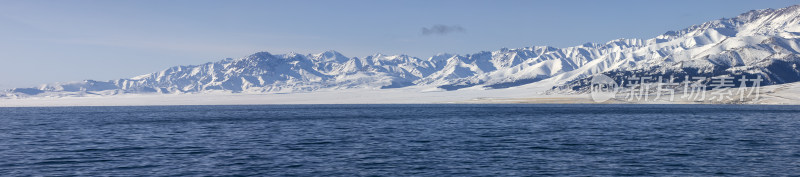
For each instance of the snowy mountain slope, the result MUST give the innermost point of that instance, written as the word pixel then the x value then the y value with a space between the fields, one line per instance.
pixel 759 42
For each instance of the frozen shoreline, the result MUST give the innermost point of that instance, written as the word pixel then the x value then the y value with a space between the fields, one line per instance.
pixel 783 94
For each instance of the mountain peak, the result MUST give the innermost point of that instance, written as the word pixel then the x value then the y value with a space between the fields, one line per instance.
pixel 440 57
pixel 260 55
pixel 330 55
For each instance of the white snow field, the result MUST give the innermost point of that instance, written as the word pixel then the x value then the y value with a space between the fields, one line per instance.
pixel 529 94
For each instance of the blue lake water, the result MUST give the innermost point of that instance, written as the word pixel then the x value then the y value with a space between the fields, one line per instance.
pixel 402 140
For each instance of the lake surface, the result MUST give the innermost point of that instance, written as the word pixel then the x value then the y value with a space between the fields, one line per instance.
pixel 402 140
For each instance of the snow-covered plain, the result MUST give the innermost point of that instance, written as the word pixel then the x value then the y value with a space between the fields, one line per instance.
pixel 409 95
pixel 781 94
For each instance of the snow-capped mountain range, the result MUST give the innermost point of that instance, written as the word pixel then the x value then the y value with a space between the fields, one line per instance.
pixel 759 42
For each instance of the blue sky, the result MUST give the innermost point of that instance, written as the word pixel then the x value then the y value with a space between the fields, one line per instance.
pixel 51 41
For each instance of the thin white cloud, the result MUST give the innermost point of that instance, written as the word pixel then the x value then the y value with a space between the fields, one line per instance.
pixel 440 29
